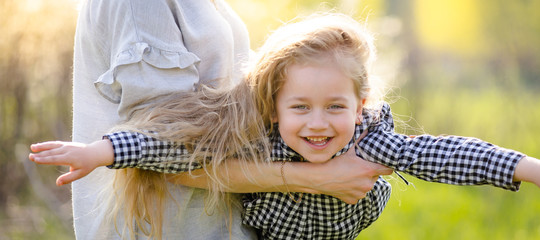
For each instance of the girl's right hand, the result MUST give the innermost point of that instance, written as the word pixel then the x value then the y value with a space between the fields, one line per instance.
pixel 81 158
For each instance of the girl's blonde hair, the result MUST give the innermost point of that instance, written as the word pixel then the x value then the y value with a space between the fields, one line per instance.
pixel 215 125
pixel 320 39
pixel 221 124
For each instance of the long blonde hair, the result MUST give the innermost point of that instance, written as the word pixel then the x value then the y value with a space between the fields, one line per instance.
pixel 317 39
pixel 215 125
pixel 222 124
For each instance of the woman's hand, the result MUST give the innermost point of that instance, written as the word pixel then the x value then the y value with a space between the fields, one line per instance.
pixel 81 158
pixel 347 177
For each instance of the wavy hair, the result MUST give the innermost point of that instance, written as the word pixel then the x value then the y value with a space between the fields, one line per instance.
pixel 215 125
pixel 319 39
pixel 221 124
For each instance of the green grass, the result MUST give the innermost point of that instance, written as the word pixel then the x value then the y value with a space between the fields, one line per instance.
pixel 437 211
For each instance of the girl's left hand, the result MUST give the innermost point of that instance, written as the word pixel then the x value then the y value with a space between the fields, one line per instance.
pixel 528 169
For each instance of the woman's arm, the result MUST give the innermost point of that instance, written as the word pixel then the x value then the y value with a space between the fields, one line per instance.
pixel 346 177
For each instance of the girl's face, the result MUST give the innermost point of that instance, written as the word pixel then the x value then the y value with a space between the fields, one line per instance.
pixel 317 109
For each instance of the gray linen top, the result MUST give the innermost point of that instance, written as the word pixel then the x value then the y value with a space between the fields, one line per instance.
pixel 127 51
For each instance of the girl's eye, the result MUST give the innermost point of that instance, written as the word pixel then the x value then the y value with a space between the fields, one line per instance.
pixel 300 107
pixel 336 106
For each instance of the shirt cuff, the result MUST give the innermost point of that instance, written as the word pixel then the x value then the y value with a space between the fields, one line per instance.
pixel 502 173
pixel 127 149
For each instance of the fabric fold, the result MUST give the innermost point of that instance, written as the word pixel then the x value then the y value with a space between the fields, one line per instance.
pixel 109 88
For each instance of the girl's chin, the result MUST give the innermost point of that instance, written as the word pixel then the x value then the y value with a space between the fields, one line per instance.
pixel 317 159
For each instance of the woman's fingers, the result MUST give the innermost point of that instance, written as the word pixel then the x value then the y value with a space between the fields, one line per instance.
pixel 383 170
pixel 364 134
pixel 354 199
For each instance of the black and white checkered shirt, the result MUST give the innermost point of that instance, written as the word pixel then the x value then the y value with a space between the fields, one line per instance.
pixel 315 216
pixel 445 159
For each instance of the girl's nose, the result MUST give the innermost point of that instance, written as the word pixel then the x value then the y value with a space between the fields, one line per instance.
pixel 317 120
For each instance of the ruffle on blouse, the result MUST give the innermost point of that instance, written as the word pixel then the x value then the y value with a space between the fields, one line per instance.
pixel 137 52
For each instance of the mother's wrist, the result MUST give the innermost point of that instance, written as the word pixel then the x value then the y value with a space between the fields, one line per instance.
pixel 304 177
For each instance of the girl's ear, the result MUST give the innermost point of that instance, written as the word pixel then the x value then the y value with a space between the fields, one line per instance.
pixel 359 108
pixel 274 118
pixel 359 119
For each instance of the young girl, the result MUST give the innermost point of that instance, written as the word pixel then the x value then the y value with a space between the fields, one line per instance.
pixel 310 85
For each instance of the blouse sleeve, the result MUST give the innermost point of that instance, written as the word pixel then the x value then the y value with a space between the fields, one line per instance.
pixel 446 159
pixel 147 58
pixel 137 150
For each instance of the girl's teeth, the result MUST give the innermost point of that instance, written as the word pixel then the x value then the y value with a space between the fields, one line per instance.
pixel 317 140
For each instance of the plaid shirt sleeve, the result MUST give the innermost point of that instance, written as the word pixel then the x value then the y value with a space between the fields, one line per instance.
pixel 137 150
pixel 445 159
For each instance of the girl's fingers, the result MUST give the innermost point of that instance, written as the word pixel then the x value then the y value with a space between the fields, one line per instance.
pixel 38 147
pixel 52 153
pixel 69 177
pixel 49 159
pixel 49 152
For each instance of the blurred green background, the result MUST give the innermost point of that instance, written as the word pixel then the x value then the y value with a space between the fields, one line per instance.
pixel 461 67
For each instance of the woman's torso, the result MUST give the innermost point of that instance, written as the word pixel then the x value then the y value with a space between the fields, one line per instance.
pixel 152 42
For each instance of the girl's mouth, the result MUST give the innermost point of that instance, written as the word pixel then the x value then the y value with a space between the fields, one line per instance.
pixel 318 141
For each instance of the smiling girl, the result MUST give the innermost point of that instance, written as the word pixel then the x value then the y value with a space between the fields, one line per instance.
pixel 310 84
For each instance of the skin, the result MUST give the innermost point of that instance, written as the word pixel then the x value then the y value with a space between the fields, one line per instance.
pixel 346 177
pixel 317 109
pixel 528 170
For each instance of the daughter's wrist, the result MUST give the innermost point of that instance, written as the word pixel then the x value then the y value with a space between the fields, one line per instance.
pixel 104 151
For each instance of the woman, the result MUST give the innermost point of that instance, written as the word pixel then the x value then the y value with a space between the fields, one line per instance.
pixel 130 51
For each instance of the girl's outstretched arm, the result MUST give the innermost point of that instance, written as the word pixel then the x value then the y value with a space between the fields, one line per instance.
pixel 346 177
pixel 528 170
pixel 81 158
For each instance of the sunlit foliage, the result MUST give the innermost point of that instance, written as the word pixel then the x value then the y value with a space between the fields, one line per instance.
pixel 453 26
